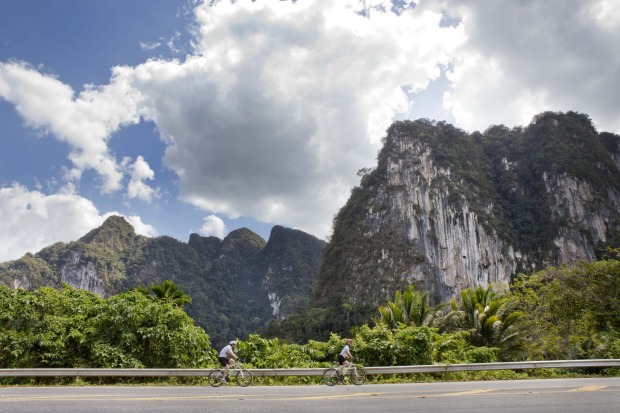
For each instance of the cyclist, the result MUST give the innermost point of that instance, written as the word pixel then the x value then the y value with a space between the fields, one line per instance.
pixel 226 356
pixel 343 356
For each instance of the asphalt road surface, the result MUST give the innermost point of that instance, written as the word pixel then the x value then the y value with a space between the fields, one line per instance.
pixel 596 395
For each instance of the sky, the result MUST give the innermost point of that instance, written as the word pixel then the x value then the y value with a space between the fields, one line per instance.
pixel 186 116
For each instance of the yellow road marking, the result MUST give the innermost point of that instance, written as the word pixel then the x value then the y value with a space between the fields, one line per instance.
pixel 465 393
pixel 588 388
pixel 334 396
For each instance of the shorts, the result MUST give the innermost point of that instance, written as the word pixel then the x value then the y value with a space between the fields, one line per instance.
pixel 341 359
pixel 223 361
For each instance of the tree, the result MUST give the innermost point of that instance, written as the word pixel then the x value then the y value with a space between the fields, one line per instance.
pixel 490 320
pixel 46 327
pixel 75 328
pixel 135 331
pixel 572 312
pixel 169 291
pixel 411 308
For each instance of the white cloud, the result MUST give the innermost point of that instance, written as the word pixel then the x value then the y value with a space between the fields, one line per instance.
pixel 136 188
pixel 213 226
pixel 32 220
pixel 172 44
pixel 522 58
pixel 149 45
pixel 85 122
pixel 607 13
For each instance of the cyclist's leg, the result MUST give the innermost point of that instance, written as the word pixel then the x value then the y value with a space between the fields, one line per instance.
pixel 229 364
pixel 224 361
pixel 342 363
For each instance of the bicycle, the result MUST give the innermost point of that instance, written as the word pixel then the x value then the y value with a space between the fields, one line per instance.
pixel 356 374
pixel 236 372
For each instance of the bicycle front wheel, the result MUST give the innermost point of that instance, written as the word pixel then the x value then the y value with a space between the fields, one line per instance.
pixel 243 378
pixel 330 376
pixel 358 376
pixel 215 378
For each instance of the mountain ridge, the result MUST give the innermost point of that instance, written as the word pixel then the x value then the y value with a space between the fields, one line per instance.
pixel 236 284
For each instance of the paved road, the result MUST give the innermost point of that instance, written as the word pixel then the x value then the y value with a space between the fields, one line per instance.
pixel 600 395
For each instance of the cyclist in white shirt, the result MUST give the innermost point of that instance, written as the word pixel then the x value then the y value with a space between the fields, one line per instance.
pixel 343 356
pixel 226 357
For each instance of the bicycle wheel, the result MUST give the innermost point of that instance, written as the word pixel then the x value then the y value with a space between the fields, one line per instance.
pixel 330 376
pixel 243 378
pixel 215 378
pixel 358 376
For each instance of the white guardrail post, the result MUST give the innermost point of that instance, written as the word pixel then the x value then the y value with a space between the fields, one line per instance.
pixel 434 368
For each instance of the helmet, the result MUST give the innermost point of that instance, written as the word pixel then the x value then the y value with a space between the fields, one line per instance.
pixel 233 343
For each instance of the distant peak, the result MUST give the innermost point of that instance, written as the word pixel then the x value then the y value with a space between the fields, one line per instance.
pixel 243 231
pixel 118 222
pixel 114 233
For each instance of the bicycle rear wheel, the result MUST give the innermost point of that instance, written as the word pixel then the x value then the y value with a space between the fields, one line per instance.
pixel 243 378
pixel 358 376
pixel 215 378
pixel 330 376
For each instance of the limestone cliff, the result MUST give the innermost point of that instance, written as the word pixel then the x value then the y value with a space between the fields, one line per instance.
pixel 447 210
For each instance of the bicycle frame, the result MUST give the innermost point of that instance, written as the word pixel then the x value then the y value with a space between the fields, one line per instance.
pixel 236 372
pixel 350 366
pixel 356 374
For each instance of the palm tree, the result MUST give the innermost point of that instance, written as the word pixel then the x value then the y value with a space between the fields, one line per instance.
pixel 410 308
pixel 489 319
pixel 169 291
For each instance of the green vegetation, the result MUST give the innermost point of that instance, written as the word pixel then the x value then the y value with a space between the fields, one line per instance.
pixel 489 320
pixel 572 313
pixel 168 291
pixel 75 328
pixel 411 308
pixel 231 280
pixel 557 313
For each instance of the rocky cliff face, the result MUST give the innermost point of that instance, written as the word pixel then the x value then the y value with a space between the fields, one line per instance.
pixel 587 226
pixel 82 274
pixel 289 266
pixel 460 249
pixel 446 210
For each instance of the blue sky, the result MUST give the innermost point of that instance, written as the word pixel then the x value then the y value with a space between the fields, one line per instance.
pixel 191 117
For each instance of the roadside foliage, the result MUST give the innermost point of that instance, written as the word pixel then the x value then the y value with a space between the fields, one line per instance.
pixel 557 313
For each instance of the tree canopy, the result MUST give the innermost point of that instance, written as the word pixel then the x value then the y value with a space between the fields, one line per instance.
pixel 75 328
